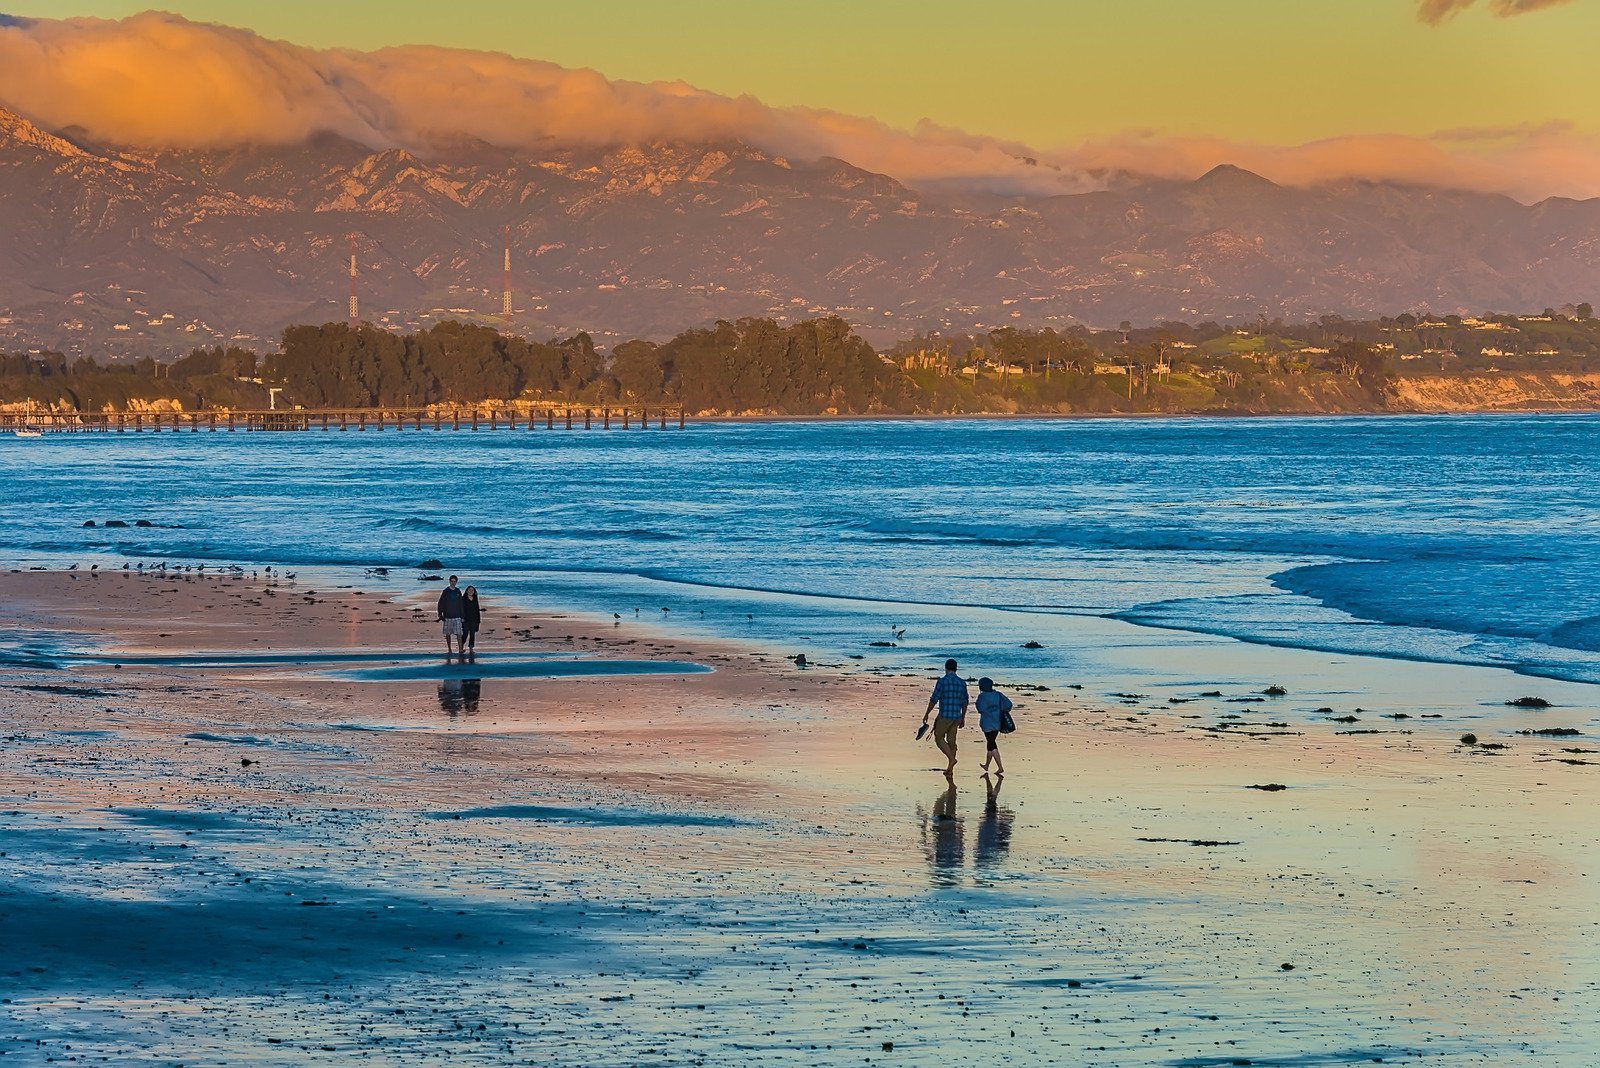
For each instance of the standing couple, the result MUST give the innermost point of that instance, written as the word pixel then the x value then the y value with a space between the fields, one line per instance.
pixel 950 698
pixel 461 616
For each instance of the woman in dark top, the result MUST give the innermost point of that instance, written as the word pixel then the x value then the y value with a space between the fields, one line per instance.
pixel 471 618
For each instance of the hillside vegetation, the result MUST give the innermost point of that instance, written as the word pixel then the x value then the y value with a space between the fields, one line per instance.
pixel 822 367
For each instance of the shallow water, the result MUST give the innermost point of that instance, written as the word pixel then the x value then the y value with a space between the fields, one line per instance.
pixel 1460 539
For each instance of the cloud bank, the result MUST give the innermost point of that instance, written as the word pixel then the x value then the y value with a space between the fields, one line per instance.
pixel 158 80
pixel 1433 12
pixel 1528 163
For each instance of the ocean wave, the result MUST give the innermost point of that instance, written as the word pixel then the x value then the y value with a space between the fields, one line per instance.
pixel 430 525
pixel 1524 597
pixel 1243 619
pixel 1151 533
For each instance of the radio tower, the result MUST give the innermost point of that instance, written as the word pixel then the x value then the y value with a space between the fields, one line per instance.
pixel 355 305
pixel 505 296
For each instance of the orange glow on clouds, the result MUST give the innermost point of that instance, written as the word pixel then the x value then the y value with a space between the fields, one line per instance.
pixel 160 80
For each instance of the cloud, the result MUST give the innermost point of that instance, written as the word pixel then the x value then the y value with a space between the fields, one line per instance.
pixel 1528 163
pixel 158 80
pixel 1433 12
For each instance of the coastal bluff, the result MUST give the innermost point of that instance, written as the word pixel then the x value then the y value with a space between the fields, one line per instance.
pixel 1496 391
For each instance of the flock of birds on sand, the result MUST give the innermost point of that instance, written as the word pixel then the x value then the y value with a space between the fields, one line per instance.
pixel 163 568
pixel 272 573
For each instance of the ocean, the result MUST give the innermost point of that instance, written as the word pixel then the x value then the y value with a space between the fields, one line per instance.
pixel 1457 540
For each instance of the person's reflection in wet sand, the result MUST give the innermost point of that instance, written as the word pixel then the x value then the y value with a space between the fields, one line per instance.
pixel 460 695
pixel 994 830
pixel 943 835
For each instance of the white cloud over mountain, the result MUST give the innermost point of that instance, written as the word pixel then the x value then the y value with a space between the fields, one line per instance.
pixel 160 80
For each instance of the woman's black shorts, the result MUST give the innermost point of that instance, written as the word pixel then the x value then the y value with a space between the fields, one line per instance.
pixel 990 736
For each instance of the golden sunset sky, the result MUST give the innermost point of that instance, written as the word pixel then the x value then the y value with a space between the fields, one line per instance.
pixel 1041 71
pixel 1494 94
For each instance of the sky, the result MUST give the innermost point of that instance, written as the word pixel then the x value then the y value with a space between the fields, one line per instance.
pixel 1488 93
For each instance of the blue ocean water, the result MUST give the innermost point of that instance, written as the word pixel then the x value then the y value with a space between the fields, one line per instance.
pixel 1455 539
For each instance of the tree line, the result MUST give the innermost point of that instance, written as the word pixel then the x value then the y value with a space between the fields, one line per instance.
pixel 821 366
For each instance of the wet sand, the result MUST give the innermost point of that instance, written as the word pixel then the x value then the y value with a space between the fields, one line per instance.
pixel 256 857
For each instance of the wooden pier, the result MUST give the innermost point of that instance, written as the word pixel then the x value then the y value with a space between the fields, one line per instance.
pixel 547 417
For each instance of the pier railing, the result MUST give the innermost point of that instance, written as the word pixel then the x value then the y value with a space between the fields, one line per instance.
pixel 546 417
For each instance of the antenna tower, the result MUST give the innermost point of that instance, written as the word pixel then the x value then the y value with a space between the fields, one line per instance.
pixel 505 296
pixel 355 305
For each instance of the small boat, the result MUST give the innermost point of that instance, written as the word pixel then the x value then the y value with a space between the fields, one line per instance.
pixel 29 429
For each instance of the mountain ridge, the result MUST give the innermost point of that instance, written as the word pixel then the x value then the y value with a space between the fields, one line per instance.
pixel 109 249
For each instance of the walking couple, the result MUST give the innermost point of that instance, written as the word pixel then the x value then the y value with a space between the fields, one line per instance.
pixel 950 698
pixel 461 616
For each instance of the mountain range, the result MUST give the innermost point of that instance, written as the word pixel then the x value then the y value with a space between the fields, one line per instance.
pixel 115 249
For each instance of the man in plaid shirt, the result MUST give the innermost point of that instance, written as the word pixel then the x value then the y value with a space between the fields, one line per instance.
pixel 950 697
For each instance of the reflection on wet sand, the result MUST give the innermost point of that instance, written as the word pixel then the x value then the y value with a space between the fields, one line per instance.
pixel 944 834
pixel 457 696
pixel 994 830
pixel 943 837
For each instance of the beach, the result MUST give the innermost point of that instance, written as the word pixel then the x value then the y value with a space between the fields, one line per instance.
pixel 277 852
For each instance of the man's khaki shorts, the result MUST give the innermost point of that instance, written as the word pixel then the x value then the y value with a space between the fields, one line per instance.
pixel 944 732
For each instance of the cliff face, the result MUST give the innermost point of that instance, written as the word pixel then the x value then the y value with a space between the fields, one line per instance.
pixel 1505 391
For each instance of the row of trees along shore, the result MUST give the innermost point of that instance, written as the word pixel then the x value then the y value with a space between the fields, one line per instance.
pixel 822 366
